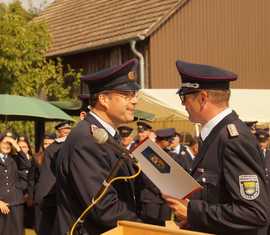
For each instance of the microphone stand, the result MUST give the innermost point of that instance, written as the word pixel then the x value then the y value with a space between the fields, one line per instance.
pixel 122 158
pixel 116 167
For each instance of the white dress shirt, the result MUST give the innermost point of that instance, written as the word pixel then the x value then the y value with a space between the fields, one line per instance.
pixel 208 127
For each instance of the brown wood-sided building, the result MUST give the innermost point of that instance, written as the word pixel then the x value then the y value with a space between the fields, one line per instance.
pixel 232 34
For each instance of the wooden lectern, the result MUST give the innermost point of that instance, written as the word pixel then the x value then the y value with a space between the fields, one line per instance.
pixel 134 228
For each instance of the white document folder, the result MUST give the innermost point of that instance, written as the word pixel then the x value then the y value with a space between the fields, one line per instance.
pixel 164 171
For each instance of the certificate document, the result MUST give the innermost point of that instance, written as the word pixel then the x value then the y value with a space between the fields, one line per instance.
pixel 164 171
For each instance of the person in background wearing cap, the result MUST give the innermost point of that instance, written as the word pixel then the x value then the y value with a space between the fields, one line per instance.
pixel 154 210
pixel 126 136
pixel 83 164
pixel 262 136
pixel 252 126
pixel 184 153
pixel 13 182
pixel 84 106
pixel 45 194
pixel 234 198
pixel 48 139
pixel 143 132
pixel 63 129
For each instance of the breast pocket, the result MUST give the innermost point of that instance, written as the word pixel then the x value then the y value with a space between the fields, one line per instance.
pixel 210 182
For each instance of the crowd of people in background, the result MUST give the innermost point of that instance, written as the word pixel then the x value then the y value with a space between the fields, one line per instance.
pixel 28 197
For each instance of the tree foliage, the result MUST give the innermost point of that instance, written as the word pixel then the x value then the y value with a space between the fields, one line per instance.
pixel 24 69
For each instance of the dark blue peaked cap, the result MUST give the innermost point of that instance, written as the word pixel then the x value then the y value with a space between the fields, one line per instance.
pixel 121 77
pixel 143 126
pixel 200 76
pixel 262 135
pixel 125 131
pixel 165 133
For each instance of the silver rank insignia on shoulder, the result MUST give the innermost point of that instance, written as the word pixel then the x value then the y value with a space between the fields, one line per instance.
pixel 232 130
pixel 249 186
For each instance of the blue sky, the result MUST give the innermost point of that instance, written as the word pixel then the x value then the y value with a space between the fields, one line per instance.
pixel 35 3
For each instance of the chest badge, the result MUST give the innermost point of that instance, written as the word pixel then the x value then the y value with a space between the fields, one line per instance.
pixel 249 186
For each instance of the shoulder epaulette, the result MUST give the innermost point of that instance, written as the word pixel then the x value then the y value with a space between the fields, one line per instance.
pixel 233 132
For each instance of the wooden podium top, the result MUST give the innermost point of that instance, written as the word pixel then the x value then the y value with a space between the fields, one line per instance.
pixel 135 228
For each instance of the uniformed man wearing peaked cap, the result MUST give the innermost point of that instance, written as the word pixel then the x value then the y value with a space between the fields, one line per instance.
pixel 125 133
pixel 229 166
pixel 62 125
pixel 143 126
pixel 252 126
pixel 83 164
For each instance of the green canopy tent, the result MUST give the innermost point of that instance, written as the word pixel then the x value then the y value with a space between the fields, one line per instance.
pixel 21 108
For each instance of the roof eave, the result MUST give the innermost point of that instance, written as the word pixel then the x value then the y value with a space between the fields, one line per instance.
pixel 94 46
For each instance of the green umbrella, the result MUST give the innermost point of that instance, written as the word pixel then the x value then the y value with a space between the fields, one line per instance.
pixel 13 107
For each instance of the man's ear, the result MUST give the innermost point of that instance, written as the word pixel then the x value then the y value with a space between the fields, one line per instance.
pixel 203 98
pixel 103 100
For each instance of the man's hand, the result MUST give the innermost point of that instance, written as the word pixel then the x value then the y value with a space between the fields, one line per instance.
pixel 4 208
pixel 178 206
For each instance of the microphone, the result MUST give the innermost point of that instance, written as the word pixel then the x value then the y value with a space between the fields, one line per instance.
pixel 101 136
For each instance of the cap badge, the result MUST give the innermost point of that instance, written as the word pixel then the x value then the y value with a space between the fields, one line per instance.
pixel 190 85
pixel 131 75
pixel 249 186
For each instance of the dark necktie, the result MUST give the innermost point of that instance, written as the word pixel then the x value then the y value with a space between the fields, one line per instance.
pixel 117 137
pixel 200 142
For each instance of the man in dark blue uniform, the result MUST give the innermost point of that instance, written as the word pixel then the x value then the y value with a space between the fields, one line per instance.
pixel 252 126
pixel 45 192
pixel 83 165
pixel 262 136
pixel 126 136
pixel 229 166
pixel 185 152
pixel 143 132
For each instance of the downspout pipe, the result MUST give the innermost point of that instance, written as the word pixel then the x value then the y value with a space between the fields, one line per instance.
pixel 141 59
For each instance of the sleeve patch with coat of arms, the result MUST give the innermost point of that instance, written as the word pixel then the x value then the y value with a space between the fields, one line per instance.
pixel 249 186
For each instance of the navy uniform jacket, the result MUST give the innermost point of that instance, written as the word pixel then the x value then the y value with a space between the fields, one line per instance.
pixel 225 166
pixel 153 209
pixel 82 166
pixel 45 186
pixel 183 158
pixel 13 175
pixel 45 190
